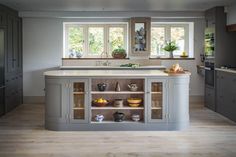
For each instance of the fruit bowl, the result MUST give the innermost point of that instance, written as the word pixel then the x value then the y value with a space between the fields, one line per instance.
pixel 134 105
pixel 134 100
pixel 100 104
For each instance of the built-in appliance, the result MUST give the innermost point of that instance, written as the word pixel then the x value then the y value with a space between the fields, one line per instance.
pixel 209 74
pixel 210 85
pixel 210 42
pixel 2 85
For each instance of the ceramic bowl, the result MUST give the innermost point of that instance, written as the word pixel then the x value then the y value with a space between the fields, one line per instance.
pixel 135 117
pixel 134 100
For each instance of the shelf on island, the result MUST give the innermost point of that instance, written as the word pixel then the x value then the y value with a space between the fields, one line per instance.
pixel 156 92
pixel 126 121
pixel 156 108
pixel 78 108
pixel 114 92
pixel 117 108
pixel 78 92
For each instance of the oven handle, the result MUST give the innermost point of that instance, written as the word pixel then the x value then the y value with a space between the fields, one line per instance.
pixel 207 68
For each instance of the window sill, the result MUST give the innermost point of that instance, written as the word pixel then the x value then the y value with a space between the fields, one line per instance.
pixel 175 58
pixel 94 59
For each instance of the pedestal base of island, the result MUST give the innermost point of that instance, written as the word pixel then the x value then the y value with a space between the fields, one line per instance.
pixel 75 102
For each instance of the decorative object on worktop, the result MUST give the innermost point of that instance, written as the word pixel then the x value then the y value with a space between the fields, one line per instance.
pixel 117 88
pixel 119 116
pixel 135 117
pixel 100 102
pixel 170 46
pixel 133 87
pixel 119 53
pixel 99 118
pixel 131 65
pixel 118 103
pixel 75 54
pixel 140 35
pixel 175 69
pixel 101 86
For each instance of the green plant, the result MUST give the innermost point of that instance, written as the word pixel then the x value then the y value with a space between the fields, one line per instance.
pixel 170 46
pixel 119 52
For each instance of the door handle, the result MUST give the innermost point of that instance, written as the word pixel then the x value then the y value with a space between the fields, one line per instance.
pixel 2 87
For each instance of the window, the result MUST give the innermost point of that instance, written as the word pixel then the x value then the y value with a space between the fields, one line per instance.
pixel 94 40
pixel 160 33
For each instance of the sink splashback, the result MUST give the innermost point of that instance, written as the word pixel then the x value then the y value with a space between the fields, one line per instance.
pixel 115 62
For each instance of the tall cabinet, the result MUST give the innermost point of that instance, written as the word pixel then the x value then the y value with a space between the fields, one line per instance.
pixel 11 24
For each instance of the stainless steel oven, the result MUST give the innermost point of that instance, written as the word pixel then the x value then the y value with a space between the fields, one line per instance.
pixel 209 74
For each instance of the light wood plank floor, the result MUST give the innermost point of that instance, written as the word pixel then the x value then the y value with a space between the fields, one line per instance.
pixel 22 134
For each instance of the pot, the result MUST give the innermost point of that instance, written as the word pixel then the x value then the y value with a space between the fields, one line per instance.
pixel 119 116
pixel 101 86
pixel 118 103
pixel 99 117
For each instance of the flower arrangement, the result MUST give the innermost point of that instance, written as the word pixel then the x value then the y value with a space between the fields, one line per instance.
pixel 119 53
pixel 170 46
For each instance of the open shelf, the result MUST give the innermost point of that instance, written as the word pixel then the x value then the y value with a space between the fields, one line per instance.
pixel 156 92
pixel 156 108
pixel 106 121
pixel 78 108
pixel 117 108
pixel 78 92
pixel 114 92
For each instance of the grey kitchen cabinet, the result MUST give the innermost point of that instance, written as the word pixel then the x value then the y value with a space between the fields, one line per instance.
pixel 79 101
pixel 157 97
pixel 210 98
pixel 69 106
pixel 226 95
pixel 57 100
pixel 11 23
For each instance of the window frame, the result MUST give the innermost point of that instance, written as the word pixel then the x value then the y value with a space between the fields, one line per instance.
pixel 106 26
pixel 168 27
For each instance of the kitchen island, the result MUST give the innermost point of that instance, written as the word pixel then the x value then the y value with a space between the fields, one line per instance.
pixel 75 100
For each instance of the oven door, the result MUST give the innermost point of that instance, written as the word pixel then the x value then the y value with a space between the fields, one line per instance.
pixel 209 77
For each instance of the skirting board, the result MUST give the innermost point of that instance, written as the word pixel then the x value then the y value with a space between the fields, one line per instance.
pixel 194 100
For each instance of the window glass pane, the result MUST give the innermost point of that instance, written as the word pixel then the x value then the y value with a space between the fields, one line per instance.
pixel 116 38
pixel 157 40
pixel 75 40
pixel 96 40
pixel 178 35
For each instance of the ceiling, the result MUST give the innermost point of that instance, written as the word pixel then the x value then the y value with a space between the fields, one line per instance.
pixel 114 5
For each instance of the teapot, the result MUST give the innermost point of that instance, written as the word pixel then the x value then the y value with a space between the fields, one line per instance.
pixel 133 86
pixel 119 116
pixel 99 117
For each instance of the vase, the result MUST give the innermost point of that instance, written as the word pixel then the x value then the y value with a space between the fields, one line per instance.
pixel 171 55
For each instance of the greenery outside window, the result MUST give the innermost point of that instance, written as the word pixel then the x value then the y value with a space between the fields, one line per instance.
pixel 162 32
pixel 94 40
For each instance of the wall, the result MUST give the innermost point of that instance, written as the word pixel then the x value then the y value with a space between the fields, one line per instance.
pixel 231 15
pixel 43 46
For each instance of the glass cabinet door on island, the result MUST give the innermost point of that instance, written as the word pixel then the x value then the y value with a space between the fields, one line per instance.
pixel 157 100
pixel 79 101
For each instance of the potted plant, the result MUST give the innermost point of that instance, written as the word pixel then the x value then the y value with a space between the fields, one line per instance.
pixel 170 46
pixel 119 53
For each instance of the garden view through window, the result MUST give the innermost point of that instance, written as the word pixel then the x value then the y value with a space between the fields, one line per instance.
pixel 95 40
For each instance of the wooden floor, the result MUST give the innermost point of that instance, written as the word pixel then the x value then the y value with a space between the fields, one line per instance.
pixel 22 134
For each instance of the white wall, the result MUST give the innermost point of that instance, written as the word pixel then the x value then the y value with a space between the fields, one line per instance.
pixel 231 15
pixel 43 44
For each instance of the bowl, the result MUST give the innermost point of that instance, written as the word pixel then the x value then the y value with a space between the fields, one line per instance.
pixel 134 100
pixel 100 104
pixel 134 105
pixel 135 117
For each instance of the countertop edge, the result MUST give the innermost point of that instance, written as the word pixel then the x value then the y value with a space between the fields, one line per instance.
pixel 226 70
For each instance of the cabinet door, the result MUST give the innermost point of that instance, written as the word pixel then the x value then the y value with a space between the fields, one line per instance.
pixel 156 99
pixel 10 50
pixel 57 100
pixel 79 103
pixel 2 18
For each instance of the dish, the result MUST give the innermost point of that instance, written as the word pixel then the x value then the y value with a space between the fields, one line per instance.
pixel 134 100
pixel 134 105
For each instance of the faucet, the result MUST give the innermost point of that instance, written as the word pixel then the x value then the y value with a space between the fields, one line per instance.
pixel 105 54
